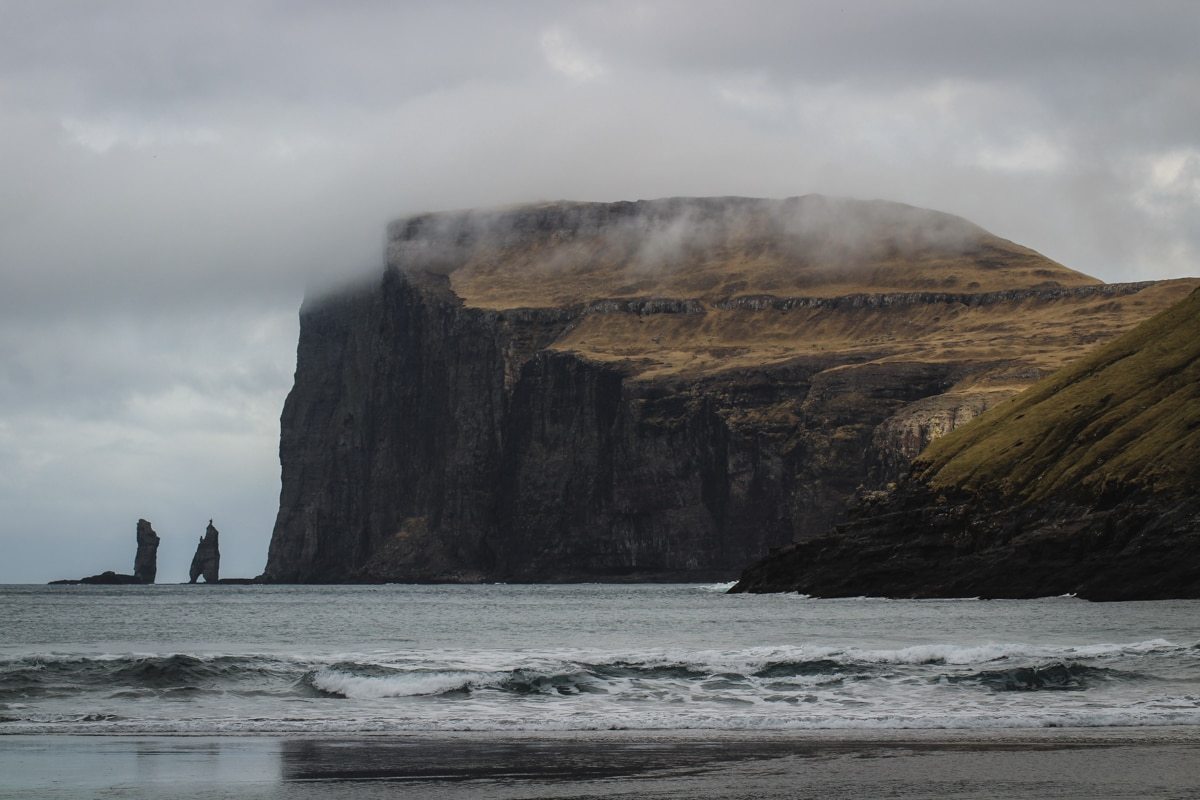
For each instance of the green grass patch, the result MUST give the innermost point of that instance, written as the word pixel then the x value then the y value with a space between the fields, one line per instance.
pixel 1129 413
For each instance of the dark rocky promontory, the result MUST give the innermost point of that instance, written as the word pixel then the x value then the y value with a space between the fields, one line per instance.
pixel 1087 484
pixel 660 390
pixel 207 560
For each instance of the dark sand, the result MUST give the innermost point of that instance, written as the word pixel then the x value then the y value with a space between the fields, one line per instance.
pixel 1094 764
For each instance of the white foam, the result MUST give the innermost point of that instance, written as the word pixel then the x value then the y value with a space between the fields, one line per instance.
pixel 964 654
pixel 363 687
pixel 596 689
pixel 657 720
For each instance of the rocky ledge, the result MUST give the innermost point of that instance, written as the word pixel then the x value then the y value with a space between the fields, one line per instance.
pixel 920 543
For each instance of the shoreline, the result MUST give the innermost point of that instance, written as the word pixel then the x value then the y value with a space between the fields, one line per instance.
pixel 1074 763
pixel 1099 733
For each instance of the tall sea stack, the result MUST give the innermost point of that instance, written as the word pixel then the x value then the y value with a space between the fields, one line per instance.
pixel 145 563
pixel 659 390
pixel 207 561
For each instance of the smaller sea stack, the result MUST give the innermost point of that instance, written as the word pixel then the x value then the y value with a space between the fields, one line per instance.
pixel 145 563
pixel 207 561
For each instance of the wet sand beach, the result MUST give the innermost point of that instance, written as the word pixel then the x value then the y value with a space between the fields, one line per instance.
pixel 1054 763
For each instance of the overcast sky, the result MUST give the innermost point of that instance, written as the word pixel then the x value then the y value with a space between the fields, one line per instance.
pixel 173 175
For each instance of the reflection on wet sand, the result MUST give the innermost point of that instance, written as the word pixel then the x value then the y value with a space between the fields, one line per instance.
pixel 933 764
pixel 514 760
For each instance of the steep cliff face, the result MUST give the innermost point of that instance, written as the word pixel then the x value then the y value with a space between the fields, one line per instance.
pixel 391 437
pixel 1084 484
pixel 580 422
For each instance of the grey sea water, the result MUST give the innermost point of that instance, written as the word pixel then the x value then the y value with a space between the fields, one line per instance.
pixel 212 660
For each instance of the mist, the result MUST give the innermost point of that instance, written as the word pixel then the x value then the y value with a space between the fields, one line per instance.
pixel 662 236
pixel 174 178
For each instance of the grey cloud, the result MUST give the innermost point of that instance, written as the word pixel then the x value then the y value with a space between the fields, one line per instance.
pixel 174 57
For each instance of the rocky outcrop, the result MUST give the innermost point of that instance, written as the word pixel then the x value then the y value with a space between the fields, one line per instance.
pixel 918 543
pixel 106 578
pixel 436 432
pixel 145 562
pixel 1085 484
pixel 207 560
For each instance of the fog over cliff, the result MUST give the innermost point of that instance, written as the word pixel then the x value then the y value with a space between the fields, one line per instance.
pixel 664 235
pixel 174 175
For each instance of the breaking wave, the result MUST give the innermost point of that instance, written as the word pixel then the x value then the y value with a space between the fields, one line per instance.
pixel 1149 682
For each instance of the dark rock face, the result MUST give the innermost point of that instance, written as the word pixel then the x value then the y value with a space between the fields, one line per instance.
pixel 425 440
pixel 145 563
pixel 207 561
pixel 915 542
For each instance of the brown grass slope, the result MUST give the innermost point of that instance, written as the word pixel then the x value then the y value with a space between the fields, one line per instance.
pixel 1127 413
pixel 1043 333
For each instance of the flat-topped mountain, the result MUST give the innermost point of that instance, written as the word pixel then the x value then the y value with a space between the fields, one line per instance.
pixel 652 390
pixel 677 286
pixel 712 249
pixel 1085 484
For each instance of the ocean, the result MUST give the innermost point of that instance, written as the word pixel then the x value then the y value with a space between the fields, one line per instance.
pixel 201 660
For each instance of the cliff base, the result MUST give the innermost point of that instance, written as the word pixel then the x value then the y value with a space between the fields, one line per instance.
pixel 921 543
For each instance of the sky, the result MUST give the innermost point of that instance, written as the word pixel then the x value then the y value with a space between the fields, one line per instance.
pixel 175 175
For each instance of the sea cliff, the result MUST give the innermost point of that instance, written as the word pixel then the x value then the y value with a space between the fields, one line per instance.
pixel 650 391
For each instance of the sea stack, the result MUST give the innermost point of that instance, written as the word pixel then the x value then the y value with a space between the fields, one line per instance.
pixel 207 561
pixel 145 563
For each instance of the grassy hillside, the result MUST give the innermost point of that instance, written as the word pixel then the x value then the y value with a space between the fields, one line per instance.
pixel 1128 413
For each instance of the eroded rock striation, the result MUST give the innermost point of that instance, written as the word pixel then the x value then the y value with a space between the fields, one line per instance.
pixel 207 560
pixel 655 390
pixel 1085 484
